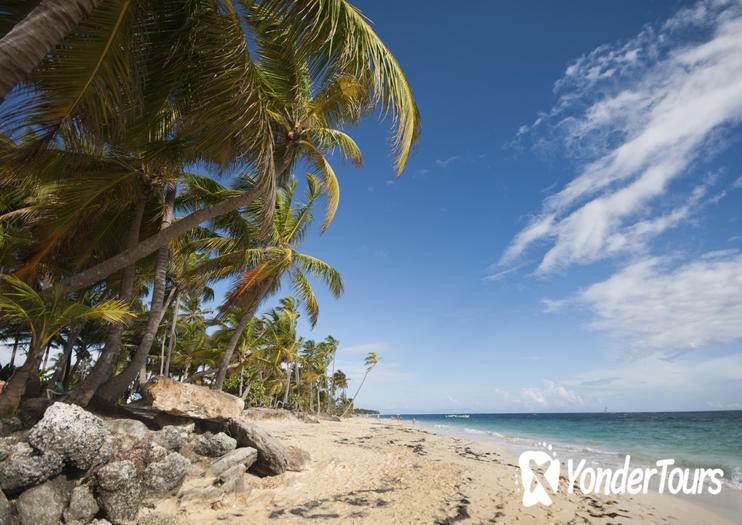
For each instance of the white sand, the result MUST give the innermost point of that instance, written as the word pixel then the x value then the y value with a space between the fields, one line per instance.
pixel 375 471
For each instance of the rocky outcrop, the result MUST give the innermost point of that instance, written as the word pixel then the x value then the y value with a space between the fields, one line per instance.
pixel 131 427
pixel 4 509
pixel 171 437
pixel 69 431
pixel 183 399
pixel 272 458
pixel 10 425
pixel 215 445
pixel 83 506
pixel 166 476
pixel 298 459
pixel 241 456
pixel 26 468
pixel 43 505
pixel 118 491
pixel 125 447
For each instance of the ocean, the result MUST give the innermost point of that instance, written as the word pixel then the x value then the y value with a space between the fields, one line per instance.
pixel 693 439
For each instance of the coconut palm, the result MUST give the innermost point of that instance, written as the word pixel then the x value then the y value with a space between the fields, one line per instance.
pixel 262 269
pixel 235 124
pixel 44 318
pixel 370 362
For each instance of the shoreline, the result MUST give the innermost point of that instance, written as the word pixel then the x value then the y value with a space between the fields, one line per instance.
pixel 728 503
pixel 365 470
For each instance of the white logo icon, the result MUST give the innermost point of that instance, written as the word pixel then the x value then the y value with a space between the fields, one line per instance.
pixel 533 490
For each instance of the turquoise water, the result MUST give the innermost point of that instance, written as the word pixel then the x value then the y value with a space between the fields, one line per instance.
pixel 693 439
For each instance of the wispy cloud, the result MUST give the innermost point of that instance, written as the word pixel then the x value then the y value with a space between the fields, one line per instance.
pixel 637 114
pixel 654 305
pixel 444 163
pixel 550 395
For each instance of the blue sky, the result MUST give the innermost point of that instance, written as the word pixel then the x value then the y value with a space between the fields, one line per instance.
pixel 567 236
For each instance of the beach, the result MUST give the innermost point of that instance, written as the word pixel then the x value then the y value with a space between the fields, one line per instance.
pixel 368 470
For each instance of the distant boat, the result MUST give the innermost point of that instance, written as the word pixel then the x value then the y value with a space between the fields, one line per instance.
pixel 465 416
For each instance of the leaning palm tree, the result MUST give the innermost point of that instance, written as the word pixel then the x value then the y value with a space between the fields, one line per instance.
pixel 262 269
pixel 45 318
pixel 219 94
pixel 371 361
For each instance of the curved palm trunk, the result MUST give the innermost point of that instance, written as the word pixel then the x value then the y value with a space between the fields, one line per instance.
pixel 13 391
pixel 114 389
pixel 352 401
pixel 151 244
pixel 232 344
pixel 171 342
pixel 109 355
pixel 26 45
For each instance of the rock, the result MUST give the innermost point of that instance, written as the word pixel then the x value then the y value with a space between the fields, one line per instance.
pixel 27 468
pixel 157 518
pixel 171 437
pixel 184 399
pixel 83 506
pixel 272 458
pixel 215 445
pixel 43 505
pixel 100 522
pixel 245 456
pixel 230 481
pixel 9 425
pixel 4 453
pixel 298 459
pixel 71 432
pixel 132 427
pixel 118 492
pixel 166 476
pixel 4 509
pixel 125 447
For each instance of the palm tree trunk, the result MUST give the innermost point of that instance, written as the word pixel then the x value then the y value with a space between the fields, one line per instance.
pixel 13 391
pixel 246 392
pixel 232 344
pixel 12 355
pixel 162 346
pixel 288 383
pixel 297 379
pixel 353 400
pixel 25 46
pixel 311 396
pixel 109 355
pixel 171 342
pixel 156 241
pixel 59 372
pixel 318 401
pixel 116 387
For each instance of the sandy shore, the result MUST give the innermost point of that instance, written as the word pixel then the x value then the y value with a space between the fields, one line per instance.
pixel 378 471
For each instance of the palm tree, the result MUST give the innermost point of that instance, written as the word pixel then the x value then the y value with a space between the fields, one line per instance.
pixel 24 46
pixel 263 268
pixel 45 319
pixel 371 361
pixel 228 80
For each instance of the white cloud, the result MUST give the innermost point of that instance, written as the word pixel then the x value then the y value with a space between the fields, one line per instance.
pixel 550 396
pixel 654 306
pixel 446 162
pixel 654 106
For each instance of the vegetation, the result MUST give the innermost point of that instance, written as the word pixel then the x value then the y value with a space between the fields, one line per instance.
pixel 111 235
